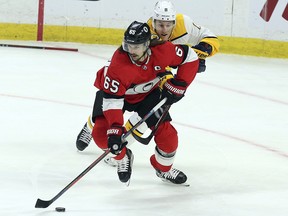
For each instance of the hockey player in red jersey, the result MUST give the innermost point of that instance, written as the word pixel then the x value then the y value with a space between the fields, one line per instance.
pixel 130 82
pixel 165 25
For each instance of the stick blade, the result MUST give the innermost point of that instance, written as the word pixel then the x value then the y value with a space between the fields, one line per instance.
pixel 143 140
pixel 42 203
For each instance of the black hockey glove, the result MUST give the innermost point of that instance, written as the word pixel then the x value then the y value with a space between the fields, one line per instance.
pixel 203 50
pixel 202 66
pixel 115 134
pixel 173 90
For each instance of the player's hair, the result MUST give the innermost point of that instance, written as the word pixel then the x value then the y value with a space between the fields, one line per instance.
pixel 153 42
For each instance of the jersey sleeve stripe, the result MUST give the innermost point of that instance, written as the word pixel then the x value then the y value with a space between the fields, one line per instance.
pixel 112 103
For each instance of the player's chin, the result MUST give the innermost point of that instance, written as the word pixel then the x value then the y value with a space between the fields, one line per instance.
pixel 135 57
pixel 164 37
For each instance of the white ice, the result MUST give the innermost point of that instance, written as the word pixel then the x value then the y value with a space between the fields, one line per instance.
pixel 233 139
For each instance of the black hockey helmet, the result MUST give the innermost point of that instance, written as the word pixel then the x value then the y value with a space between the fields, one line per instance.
pixel 137 33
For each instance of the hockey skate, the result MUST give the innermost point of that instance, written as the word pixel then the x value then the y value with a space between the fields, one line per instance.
pixel 124 167
pixel 174 176
pixel 111 161
pixel 83 138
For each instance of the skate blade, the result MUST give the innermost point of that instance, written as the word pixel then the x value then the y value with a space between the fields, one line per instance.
pixel 171 183
pixel 127 183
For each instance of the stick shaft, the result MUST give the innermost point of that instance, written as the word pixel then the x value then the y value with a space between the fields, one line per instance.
pixel 146 140
pixel 45 203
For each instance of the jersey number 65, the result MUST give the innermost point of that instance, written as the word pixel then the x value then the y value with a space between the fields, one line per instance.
pixel 111 85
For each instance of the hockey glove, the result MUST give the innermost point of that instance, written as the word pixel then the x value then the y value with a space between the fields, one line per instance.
pixel 203 50
pixel 164 77
pixel 173 90
pixel 202 66
pixel 115 143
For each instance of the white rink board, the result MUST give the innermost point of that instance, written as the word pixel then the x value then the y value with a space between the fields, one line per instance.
pixel 236 18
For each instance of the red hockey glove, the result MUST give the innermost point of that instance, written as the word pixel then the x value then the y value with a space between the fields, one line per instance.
pixel 173 90
pixel 115 134
pixel 203 50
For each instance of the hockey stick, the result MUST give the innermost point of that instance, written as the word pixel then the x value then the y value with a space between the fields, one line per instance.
pixel 45 203
pixel 40 47
pixel 147 139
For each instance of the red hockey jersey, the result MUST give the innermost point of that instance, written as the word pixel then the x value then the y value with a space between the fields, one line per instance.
pixel 124 80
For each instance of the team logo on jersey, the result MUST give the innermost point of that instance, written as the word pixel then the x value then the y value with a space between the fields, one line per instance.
pixel 143 87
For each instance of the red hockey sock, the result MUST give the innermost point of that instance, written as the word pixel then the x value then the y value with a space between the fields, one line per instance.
pixel 158 166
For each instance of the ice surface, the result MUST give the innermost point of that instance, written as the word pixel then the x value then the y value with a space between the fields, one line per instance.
pixel 232 126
